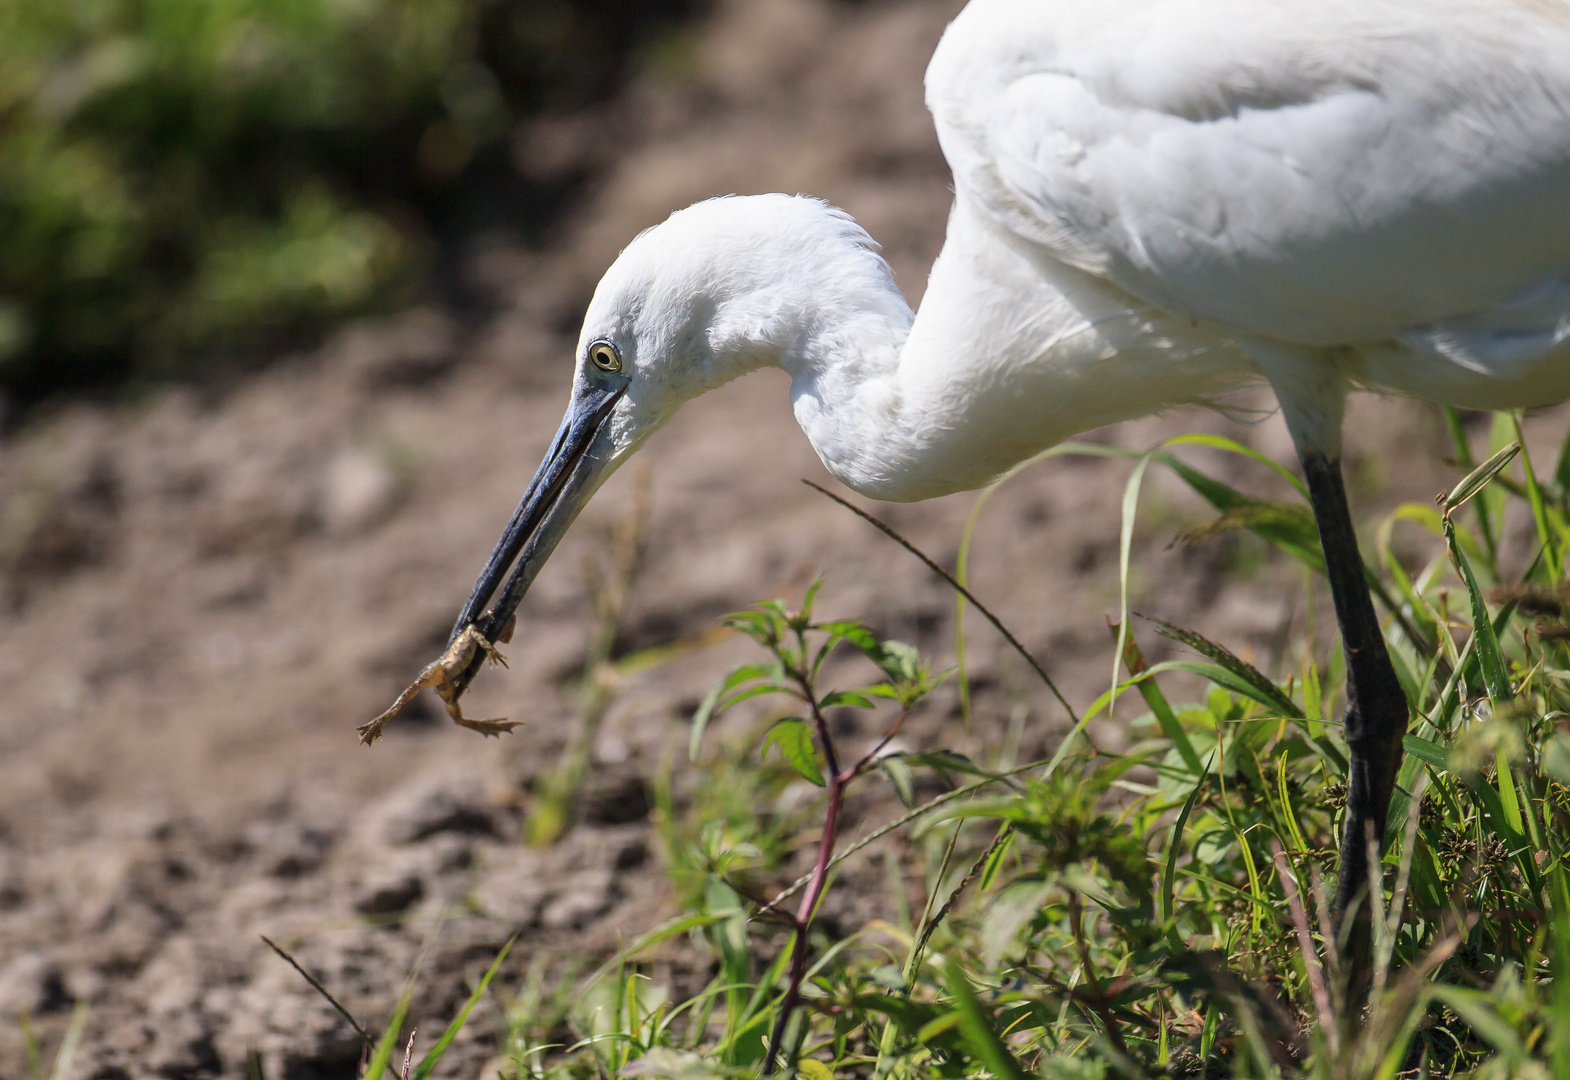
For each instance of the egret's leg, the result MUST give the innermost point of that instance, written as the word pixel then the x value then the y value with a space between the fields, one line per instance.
pixel 1312 385
pixel 1376 716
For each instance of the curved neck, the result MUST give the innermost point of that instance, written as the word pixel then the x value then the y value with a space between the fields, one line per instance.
pixel 846 391
pixel 1011 353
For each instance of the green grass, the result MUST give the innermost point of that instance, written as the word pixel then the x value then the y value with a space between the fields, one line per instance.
pixel 1158 912
pixel 181 179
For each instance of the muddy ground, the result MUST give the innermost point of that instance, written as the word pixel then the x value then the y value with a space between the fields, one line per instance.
pixel 203 591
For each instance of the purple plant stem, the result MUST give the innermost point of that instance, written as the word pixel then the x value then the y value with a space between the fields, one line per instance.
pixel 820 875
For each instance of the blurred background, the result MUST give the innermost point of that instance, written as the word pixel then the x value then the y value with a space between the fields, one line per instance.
pixel 288 292
pixel 184 179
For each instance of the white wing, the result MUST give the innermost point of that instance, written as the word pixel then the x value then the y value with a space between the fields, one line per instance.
pixel 1316 171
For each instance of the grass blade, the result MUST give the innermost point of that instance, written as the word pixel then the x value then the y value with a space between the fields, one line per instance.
pixel 1288 812
pixel 428 1063
pixel 1546 529
pixel 1125 543
pixel 65 1057
pixel 388 1043
pixel 1478 478
pixel 1428 753
pixel 977 1031
pixel 1171 727
pixel 1262 689
pixel 664 932
pixel 1173 846
pixel 1490 658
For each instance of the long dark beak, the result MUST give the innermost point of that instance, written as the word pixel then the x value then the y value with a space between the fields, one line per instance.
pixel 572 468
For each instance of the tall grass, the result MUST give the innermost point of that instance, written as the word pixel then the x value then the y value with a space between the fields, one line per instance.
pixel 1158 912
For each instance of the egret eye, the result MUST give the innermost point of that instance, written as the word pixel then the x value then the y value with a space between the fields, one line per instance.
pixel 603 355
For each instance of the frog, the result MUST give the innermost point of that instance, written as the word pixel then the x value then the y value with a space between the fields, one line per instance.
pixel 442 675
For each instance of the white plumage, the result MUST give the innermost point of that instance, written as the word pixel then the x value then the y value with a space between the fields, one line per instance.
pixel 1155 202
pixel 1319 172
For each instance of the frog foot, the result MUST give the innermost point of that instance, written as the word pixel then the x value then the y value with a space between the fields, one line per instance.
pixel 442 675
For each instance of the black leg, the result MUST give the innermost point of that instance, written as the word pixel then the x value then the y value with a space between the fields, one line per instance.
pixel 1376 715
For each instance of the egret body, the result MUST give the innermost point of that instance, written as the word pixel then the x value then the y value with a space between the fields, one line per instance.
pixel 1156 201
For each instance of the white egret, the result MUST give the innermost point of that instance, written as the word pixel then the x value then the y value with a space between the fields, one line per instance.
pixel 1156 201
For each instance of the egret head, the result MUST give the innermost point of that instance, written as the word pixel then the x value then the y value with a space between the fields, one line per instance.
pixel 717 290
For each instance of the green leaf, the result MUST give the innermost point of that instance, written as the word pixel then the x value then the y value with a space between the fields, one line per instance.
pixel 813 1069
pixel 912 1017
pixel 674 927
pixel 794 738
pixel 1493 810
pixel 428 1063
pixel 1562 470
pixel 1289 525
pixel 809 598
pixel 994 863
pixel 1458 437
pixel 711 701
pixel 1426 752
pixel 898 774
pixel 1171 727
pixel 947 761
pixel 899 661
pixel 1507 793
pixel 852 631
pixel 1125 543
pixel 1547 531
pixel 853 699
pixel 933 1028
pixel 763 626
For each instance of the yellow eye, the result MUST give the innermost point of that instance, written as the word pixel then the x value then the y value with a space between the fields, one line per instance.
pixel 603 355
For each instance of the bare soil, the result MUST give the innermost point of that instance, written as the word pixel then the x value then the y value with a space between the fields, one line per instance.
pixel 203 591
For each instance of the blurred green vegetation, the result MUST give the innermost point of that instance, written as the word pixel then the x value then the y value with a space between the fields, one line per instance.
pixel 185 177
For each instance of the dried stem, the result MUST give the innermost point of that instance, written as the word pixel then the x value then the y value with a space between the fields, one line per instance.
pixel 365 1036
pixel 1004 832
pixel 1305 943
pixel 408 1055
pixel 888 531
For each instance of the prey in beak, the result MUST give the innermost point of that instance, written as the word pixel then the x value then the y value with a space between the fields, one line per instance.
pixel 578 460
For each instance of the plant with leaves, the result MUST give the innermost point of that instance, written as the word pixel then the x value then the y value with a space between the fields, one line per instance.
pixel 798 647
pixel 1162 911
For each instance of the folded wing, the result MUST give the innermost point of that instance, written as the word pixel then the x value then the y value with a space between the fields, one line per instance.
pixel 1313 171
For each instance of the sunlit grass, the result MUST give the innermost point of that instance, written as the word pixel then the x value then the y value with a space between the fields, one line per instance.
pixel 1164 911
